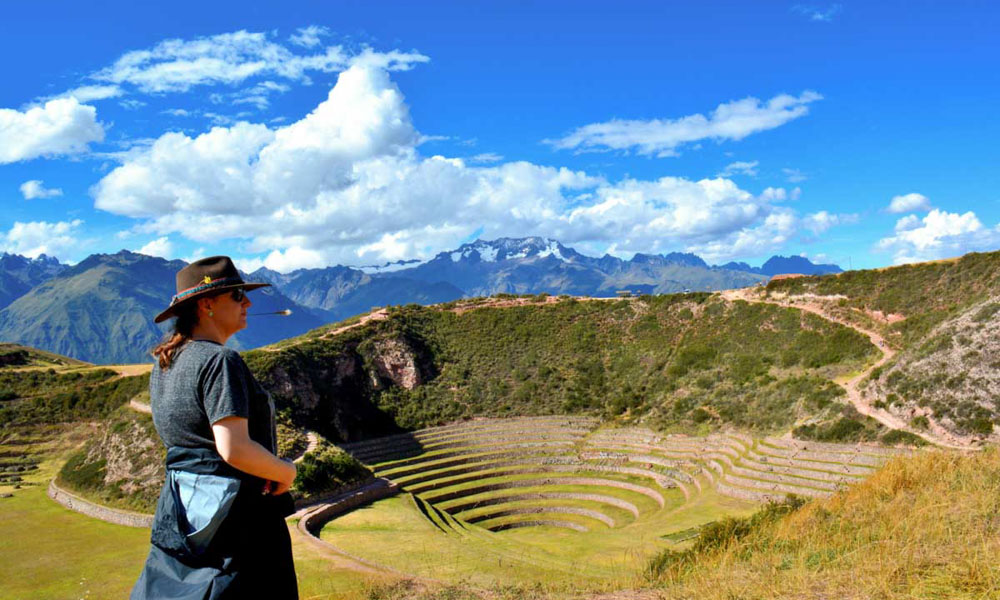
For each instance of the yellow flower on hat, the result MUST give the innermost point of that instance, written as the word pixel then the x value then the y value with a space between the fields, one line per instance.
pixel 208 279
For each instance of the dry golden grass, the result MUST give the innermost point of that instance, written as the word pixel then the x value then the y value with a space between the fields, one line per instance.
pixel 927 526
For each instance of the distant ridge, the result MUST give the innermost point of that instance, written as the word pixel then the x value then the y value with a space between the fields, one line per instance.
pixel 779 265
pixel 101 309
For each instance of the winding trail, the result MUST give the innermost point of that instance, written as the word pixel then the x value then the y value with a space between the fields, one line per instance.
pixel 938 437
pixel 313 438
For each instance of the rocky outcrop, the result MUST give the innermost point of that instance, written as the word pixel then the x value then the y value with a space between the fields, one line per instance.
pixel 332 385
pixel 396 362
pixel 328 390
pixel 133 455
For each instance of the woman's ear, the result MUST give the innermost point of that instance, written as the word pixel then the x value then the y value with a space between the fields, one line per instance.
pixel 205 306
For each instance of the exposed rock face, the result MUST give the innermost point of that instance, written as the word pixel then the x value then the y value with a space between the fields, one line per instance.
pixel 133 455
pixel 396 361
pixel 333 388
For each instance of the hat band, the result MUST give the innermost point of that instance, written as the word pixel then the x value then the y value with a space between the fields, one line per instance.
pixel 206 286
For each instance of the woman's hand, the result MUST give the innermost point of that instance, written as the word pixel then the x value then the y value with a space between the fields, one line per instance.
pixel 236 448
pixel 276 488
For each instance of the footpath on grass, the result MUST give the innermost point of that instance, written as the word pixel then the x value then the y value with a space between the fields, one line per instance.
pixel 938 436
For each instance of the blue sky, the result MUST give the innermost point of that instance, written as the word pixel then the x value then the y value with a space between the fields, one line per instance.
pixel 306 134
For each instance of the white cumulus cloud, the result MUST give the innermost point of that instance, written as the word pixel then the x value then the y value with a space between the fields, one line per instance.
pixel 740 167
pixel 909 203
pixel 161 246
pixel 939 234
pixel 36 189
pixel 59 127
pixel 347 184
pixel 662 137
pixel 41 237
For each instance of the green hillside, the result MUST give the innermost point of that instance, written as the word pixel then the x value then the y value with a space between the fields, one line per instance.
pixel 16 356
pixel 924 293
pixel 942 317
pixel 688 362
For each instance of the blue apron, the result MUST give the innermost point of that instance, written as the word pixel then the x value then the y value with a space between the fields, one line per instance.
pixel 214 535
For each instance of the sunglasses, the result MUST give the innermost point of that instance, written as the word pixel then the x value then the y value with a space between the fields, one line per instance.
pixel 238 294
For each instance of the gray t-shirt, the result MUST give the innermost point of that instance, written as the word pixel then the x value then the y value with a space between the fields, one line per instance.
pixel 206 383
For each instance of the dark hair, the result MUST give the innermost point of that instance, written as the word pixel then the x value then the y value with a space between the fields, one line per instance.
pixel 187 318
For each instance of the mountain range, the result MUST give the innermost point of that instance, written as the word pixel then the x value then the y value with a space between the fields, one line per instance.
pixel 101 309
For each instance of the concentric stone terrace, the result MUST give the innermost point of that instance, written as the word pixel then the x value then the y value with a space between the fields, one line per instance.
pixel 559 494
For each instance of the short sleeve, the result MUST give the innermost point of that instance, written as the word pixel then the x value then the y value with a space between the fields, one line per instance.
pixel 224 387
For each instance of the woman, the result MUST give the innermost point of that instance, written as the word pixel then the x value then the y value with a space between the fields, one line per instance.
pixel 219 530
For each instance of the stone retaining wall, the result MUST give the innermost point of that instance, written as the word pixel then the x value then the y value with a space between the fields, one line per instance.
pixel 780 488
pixel 790 479
pixel 516 429
pixel 493 423
pixel 535 510
pixel 457 509
pixel 366 493
pixel 416 453
pixel 797 471
pixel 751 495
pixel 519 483
pixel 844 448
pixel 867 460
pixel 504 469
pixel 799 463
pixel 540 522
pixel 431 458
pixel 104 513
pixel 393 472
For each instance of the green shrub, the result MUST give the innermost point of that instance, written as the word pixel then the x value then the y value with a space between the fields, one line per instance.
pixel 82 475
pixel 327 468
pixel 898 436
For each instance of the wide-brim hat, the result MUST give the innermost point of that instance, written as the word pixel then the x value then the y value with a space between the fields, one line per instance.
pixel 205 277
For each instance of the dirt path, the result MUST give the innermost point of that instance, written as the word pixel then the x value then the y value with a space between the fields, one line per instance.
pixel 313 438
pixel 938 436
pixel 138 406
pixel 378 315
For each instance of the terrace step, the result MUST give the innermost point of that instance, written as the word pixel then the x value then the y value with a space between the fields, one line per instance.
pixel 539 523
pixel 466 504
pixel 444 493
pixel 534 510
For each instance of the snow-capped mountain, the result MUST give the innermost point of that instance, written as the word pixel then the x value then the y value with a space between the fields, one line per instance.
pixel 528 265
pixel 18 274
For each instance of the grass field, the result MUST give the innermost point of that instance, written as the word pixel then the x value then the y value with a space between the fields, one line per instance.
pixel 394 533
pixel 48 552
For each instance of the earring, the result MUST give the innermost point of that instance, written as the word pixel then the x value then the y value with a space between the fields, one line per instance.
pixel 211 314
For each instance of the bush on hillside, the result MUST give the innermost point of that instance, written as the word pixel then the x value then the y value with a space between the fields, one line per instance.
pixel 327 468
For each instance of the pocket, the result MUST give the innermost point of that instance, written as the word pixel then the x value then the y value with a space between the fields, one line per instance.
pixel 203 502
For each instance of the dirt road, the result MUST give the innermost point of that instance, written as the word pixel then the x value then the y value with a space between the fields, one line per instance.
pixel 937 435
